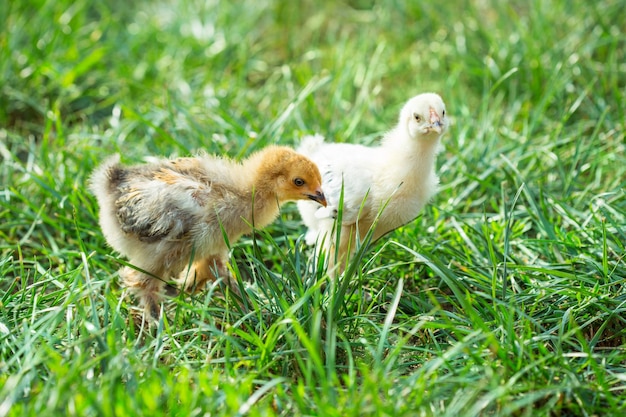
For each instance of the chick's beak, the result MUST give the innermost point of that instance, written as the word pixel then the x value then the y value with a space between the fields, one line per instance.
pixel 435 121
pixel 318 196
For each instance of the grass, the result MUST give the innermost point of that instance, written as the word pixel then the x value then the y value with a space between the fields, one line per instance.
pixel 506 297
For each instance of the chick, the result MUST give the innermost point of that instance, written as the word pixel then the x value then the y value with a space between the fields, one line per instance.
pixel 389 183
pixel 167 214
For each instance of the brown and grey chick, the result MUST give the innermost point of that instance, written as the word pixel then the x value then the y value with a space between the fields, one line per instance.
pixel 167 214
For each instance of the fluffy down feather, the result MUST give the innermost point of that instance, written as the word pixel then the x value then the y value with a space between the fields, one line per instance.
pixel 389 183
pixel 165 214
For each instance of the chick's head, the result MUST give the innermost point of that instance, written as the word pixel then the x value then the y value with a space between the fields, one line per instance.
pixel 292 176
pixel 424 116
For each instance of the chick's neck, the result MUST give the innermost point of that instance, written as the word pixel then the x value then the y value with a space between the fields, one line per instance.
pixel 258 186
pixel 418 153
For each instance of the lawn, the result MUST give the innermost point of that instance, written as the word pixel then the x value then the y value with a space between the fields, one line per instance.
pixel 505 297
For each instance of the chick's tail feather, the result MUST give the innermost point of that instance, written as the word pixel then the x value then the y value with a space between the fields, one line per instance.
pixel 310 144
pixel 107 176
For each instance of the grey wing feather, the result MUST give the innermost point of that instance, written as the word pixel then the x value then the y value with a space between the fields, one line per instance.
pixel 153 210
pixel 137 214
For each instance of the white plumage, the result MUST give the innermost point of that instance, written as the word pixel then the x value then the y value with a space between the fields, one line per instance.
pixel 398 177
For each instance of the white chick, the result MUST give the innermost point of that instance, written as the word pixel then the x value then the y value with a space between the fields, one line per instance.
pixel 166 214
pixel 392 181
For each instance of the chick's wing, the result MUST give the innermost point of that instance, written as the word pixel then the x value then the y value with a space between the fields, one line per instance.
pixel 161 204
pixel 346 168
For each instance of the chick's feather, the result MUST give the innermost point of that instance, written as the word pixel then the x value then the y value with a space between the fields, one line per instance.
pixel 386 185
pixel 164 214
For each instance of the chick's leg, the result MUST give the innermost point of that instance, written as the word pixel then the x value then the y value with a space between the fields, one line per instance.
pixel 205 270
pixel 341 252
pixel 146 288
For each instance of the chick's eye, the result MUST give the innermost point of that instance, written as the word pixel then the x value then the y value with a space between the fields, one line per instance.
pixel 417 117
pixel 443 113
pixel 298 182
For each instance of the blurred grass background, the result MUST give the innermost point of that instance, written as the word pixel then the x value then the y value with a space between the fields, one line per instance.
pixel 506 297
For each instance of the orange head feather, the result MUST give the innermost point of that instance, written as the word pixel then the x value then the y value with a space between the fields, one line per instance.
pixel 289 175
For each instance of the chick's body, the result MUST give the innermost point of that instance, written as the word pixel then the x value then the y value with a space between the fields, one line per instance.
pixel 388 184
pixel 165 214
